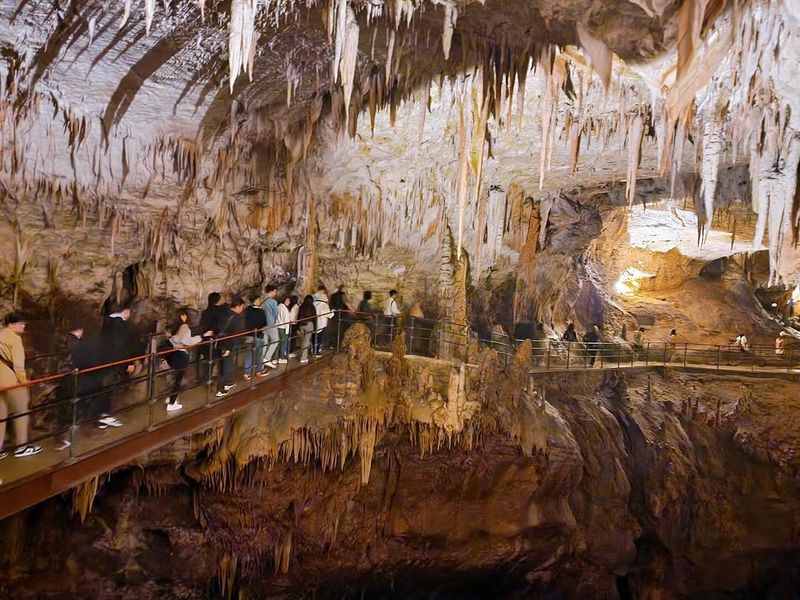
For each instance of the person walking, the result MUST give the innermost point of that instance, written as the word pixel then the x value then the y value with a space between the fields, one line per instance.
pixel 341 318
pixel 390 313
pixel 231 324
pixel 209 328
pixel 592 340
pixel 177 356
pixel 307 321
pixel 670 345
pixel 117 343
pixel 284 327
pixel 638 342
pixel 780 344
pixel 570 335
pixel 255 320
pixel 741 342
pixel 270 307
pixel 12 373
pixel 324 313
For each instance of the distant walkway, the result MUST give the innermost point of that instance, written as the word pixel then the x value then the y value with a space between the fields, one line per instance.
pixel 146 424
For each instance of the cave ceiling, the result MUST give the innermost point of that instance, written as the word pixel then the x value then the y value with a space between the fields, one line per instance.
pixel 150 109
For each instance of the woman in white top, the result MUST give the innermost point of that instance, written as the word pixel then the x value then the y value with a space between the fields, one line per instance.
pixel 287 314
pixel 179 358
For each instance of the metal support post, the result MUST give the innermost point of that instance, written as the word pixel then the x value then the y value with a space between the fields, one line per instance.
pixel 73 430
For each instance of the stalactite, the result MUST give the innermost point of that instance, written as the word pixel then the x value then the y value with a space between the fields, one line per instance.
pixel 450 18
pixel 635 132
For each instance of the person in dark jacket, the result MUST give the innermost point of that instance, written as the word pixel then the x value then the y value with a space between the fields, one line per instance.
pixel 341 318
pixel 592 340
pixel 254 320
pixel 570 335
pixel 230 324
pixel 307 324
pixel 209 328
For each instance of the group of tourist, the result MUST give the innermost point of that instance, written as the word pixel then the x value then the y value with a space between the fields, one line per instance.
pixel 281 327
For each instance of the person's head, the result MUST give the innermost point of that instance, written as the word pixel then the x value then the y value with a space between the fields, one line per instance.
pixel 308 301
pixel 342 288
pixel 322 290
pixel 673 332
pixel 237 304
pixel 293 299
pixel 255 299
pixel 125 313
pixel 183 315
pixel 368 295
pixel 392 293
pixel 641 329
pixel 595 328
pixel 214 298
pixel 15 323
pixel 271 291
pixel 78 333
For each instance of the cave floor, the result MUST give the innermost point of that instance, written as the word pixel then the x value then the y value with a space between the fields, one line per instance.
pixel 140 416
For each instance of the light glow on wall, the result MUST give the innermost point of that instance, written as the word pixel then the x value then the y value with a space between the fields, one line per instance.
pixel 628 283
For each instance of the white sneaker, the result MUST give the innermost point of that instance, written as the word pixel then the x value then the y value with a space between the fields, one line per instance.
pixel 174 407
pixel 293 355
pixel 3 455
pixel 302 362
pixel 109 422
pixel 271 364
pixel 229 386
pixel 223 393
pixel 247 376
pixel 282 361
pixel 28 450
pixel 63 445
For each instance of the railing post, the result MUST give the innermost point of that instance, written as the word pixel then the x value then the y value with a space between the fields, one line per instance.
pixel 789 361
pixel 375 331
pixel 569 350
pixel 338 332
pixel 619 355
pixel 151 384
pixel 549 349
pixel 719 356
pixel 601 351
pixel 647 355
pixel 253 367
pixel 685 353
pixel 411 336
pixel 75 399
pixel 665 352
pixel 210 374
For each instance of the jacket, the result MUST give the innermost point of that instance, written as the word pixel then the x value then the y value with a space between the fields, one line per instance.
pixel 391 310
pixel 184 338
pixel 284 318
pixel 11 350
pixel 270 308
pixel 254 318
pixel 324 311
pixel 230 324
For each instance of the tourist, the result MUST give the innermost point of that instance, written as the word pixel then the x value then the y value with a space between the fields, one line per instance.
pixel 12 372
pixel 741 343
pixel 117 344
pixel 284 327
pixel 365 307
pixel 294 341
pixel 339 299
pixel 390 313
pixel 638 342
pixel 307 321
pixel 231 324
pixel 177 356
pixel 592 340
pixel 255 320
pixel 570 335
pixel 209 327
pixel 324 313
pixel 270 307
pixel 341 318
pixel 670 345
pixel 780 344
pixel 72 341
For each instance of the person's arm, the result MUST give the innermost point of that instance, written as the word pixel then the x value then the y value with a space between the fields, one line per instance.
pixel 18 359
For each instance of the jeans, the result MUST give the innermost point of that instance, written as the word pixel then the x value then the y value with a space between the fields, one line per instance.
pixel 225 370
pixel 274 339
pixel 256 349
pixel 284 351
pixel 306 330
pixel 179 361
pixel 319 335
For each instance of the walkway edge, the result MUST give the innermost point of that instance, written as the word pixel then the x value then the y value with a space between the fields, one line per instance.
pixel 32 490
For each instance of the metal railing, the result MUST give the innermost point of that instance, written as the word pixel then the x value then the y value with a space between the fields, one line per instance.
pixel 75 399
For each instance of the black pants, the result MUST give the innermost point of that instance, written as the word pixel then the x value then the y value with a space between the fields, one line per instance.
pixel 94 397
pixel 225 371
pixel 179 361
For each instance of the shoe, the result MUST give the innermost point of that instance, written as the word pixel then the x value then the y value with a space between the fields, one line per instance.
pixel 223 393
pixel 63 445
pixel 271 364
pixel 229 386
pixel 247 376
pixel 282 361
pixel 262 374
pixel 27 451
pixel 174 407
pixel 302 362
pixel 109 422
pixel 293 355
pixel 3 455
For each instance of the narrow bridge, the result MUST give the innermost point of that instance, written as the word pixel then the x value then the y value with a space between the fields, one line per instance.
pixel 147 425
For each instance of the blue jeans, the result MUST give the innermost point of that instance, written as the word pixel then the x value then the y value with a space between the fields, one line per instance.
pixel 259 354
pixel 284 352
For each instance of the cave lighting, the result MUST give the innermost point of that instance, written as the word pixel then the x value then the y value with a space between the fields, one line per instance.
pixel 628 282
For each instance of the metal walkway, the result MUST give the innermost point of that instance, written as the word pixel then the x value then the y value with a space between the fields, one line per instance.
pixel 147 425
